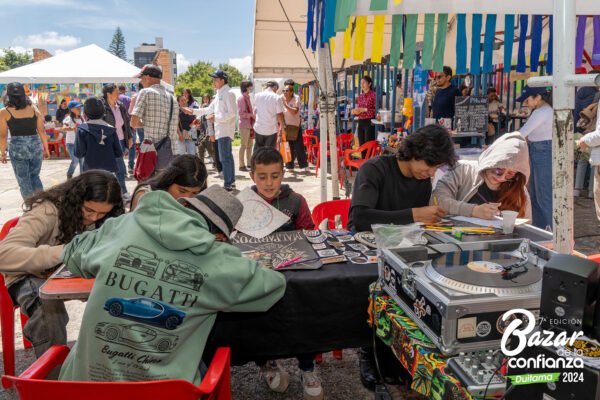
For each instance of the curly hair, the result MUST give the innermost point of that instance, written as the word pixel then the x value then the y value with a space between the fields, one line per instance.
pixel 184 170
pixel 68 197
pixel 431 143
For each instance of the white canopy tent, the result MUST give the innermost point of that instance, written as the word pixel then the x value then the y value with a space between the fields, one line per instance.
pixel 88 64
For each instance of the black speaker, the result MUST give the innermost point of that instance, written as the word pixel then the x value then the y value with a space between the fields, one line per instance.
pixel 569 293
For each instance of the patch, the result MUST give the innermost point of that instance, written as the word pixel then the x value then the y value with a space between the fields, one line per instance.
pixel 351 254
pixel 467 328
pixel 327 253
pixel 319 246
pixel 358 246
pixel 484 328
pixel 334 260
pixel 345 238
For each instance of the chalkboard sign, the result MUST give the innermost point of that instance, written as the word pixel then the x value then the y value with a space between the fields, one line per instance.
pixel 471 114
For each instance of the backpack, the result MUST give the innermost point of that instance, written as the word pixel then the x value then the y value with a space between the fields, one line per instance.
pixel 588 117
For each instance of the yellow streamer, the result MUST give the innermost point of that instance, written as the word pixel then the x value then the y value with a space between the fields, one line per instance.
pixel 396 2
pixel 360 34
pixel 378 26
pixel 332 45
pixel 348 39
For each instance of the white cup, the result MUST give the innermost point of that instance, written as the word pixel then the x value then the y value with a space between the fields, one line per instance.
pixel 508 221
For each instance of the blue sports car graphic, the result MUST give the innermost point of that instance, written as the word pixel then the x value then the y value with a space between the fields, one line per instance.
pixel 146 311
pixel 136 336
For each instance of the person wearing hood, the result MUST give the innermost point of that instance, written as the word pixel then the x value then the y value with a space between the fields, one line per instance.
pixel 161 278
pixel 96 141
pixel 496 182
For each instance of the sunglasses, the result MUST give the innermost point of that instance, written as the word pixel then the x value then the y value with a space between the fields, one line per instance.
pixel 503 173
pixel 439 76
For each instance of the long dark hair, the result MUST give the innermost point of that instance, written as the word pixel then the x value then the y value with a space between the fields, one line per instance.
pixel 191 99
pixel 68 197
pixel 184 170
pixel 18 102
pixel 511 195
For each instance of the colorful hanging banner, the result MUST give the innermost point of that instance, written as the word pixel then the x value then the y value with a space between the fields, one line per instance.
pixel 311 37
pixel 343 11
pixel 377 44
pixel 348 39
pixel 521 56
pixel 427 57
pixel 396 41
pixel 476 25
pixel 596 51
pixel 509 38
pixel 440 43
pixel 461 44
pixel 550 60
pixel 360 34
pixel 332 46
pixel 580 40
pixel 488 43
pixel 378 5
pixel 396 2
pixel 536 42
pixel 328 21
pixel 410 41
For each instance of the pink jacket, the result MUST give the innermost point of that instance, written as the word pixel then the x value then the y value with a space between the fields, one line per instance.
pixel 245 112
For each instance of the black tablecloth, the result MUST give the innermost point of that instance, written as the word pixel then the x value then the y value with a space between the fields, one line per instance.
pixel 321 310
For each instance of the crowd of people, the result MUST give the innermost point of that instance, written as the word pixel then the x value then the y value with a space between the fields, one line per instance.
pixel 91 223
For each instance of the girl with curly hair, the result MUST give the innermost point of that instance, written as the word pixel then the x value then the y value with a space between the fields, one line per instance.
pixel 185 176
pixel 32 249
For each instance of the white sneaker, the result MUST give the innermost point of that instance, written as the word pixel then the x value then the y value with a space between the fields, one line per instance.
pixel 276 377
pixel 311 385
pixel 307 170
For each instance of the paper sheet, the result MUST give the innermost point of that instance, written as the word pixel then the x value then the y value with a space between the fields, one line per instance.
pixel 259 218
pixel 496 223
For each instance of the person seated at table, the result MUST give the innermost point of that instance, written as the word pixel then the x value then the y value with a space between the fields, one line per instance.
pixel 96 142
pixel 32 249
pixel 185 176
pixel 157 294
pixel 494 183
pixel 266 170
pixel 396 189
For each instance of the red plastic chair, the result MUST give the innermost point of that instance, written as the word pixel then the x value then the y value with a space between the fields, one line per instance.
pixel 371 149
pixel 312 144
pixel 329 209
pixel 344 141
pixel 7 315
pixel 55 146
pixel 30 385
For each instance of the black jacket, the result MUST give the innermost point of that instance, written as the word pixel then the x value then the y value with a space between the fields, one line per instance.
pixel 109 117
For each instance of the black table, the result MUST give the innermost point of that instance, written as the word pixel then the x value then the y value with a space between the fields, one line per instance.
pixel 321 310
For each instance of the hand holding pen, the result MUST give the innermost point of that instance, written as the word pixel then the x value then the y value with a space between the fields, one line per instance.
pixel 486 210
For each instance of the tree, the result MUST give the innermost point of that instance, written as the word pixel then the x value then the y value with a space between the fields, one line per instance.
pixel 196 78
pixel 11 59
pixel 117 45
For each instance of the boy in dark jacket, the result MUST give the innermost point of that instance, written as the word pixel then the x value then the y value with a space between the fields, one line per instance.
pixel 266 170
pixel 96 141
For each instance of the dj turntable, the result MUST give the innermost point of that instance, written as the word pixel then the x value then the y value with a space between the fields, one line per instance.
pixel 458 294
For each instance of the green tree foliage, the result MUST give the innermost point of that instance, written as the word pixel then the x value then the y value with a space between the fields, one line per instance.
pixel 196 78
pixel 117 45
pixel 11 59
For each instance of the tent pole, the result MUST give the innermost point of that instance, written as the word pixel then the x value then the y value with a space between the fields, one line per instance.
pixel 323 116
pixel 331 125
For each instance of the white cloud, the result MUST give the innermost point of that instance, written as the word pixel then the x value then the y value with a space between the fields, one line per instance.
pixel 244 64
pixel 72 4
pixel 18 49
pixel 48 39
pixel 182 64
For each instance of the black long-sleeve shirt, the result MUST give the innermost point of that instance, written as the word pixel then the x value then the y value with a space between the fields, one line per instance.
pixel 382 195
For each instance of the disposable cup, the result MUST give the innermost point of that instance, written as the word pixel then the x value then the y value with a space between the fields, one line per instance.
pixel 508 221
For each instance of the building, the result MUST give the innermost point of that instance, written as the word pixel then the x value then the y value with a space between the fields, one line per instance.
pixel 40 54
pixel 155 53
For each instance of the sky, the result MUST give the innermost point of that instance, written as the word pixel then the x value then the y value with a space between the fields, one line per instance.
pixel 218 31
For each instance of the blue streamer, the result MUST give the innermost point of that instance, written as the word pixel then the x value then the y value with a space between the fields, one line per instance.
pixel 509 38
pixel 521 57
pixel 310 22
pixel 476 24
pixel 488 43
pixel 321 21
pixel 461 44
pixel 329 24
pixel 549 62
pixel 536 42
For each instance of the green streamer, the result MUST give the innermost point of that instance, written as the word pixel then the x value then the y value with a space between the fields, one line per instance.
pixel 427 58
pixel 378 5
pixel 343 11
pixel 396 42
pixel 440 43
pixel 410 41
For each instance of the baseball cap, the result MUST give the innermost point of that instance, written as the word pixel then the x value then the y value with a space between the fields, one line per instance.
pixel 219 74
pixel 74 104
pixel 151 70
pixel 94 108
pixel 218 206
pixel 531 91
pixel 15 89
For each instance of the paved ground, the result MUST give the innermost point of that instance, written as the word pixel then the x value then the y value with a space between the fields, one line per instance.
pixel 340 378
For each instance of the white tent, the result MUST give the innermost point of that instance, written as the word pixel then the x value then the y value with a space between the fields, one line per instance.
pixel 88 64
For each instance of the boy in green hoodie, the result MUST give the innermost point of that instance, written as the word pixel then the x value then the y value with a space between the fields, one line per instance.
pixel 161 278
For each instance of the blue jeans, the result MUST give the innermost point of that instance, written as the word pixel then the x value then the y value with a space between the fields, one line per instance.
pixel 583 167
pixel 187 147
pixel 121 168
pixel 131 158
pixel 26 155
pixel 74 160
pixel 226 158
pixel 540 183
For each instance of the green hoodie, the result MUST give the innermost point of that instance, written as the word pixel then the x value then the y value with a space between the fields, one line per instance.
pixel 161 278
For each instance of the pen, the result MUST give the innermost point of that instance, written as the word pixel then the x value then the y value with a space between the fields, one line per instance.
pixel 288 262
